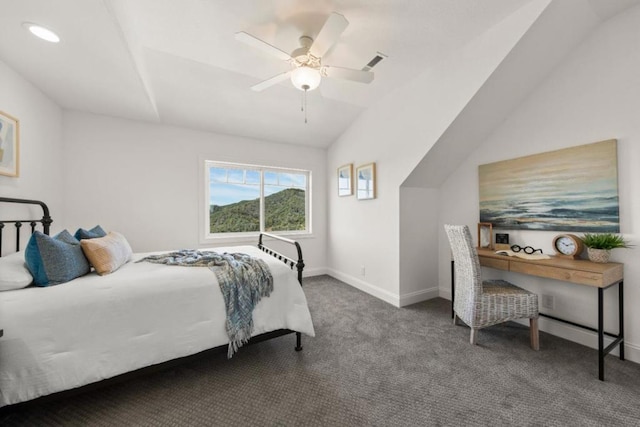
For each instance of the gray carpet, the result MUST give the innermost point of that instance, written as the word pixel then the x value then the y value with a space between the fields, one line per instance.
pixel 370 364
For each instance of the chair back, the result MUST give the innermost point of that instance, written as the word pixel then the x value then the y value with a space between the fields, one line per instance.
pixel 468 279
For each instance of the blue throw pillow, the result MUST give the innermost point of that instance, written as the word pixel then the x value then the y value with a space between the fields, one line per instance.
pixel 94 233
pixel 55 260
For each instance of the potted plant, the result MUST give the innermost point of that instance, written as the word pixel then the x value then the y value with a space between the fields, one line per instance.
pixel 599 245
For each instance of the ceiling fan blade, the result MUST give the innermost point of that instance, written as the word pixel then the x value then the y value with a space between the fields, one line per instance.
pixel 348 74
pixel 270 82
pixel 329 34
pixel 262 45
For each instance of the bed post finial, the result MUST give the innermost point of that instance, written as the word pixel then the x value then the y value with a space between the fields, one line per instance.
pixel 300 267
pixel 46 223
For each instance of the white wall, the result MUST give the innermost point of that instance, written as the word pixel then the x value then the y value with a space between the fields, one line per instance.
pixel 396 133
pixel 418 248
pixel 592 96
pixel 145 180
pixel 40 145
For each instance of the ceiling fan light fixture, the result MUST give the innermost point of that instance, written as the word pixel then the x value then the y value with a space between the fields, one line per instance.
pixel 306 78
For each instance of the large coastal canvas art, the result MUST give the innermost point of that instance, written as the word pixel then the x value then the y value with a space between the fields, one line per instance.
pixel 573 189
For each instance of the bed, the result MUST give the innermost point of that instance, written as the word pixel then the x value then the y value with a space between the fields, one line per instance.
pixel 95 327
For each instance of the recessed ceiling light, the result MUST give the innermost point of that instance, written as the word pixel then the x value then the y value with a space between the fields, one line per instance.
pixel 41 32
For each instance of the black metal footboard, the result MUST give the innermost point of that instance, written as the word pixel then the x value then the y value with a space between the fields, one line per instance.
pixel 299 265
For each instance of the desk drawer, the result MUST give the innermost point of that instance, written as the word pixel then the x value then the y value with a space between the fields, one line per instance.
pixel 566 275
pixel 500 264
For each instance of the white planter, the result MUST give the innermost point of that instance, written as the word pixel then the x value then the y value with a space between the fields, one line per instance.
pixel 598 255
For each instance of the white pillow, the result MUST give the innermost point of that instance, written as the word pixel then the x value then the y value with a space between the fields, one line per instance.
pixel 13 272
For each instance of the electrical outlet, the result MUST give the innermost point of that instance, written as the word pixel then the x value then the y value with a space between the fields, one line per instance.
pixel 362 270
pixel 548 302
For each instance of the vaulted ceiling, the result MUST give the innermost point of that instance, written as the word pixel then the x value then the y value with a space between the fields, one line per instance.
pixel 178 63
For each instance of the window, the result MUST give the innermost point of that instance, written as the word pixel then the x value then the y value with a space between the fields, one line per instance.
pixel 249 199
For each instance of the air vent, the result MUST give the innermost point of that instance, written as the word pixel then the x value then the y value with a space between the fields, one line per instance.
pixel 376 59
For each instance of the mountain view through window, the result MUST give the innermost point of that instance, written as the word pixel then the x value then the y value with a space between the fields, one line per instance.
pixel 253 199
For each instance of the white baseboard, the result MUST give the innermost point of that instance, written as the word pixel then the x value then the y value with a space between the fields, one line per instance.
pixel 310 272
pixel 632 352
pixel 418 296
pixel 366 287
pixel 444 293
pixel 384 295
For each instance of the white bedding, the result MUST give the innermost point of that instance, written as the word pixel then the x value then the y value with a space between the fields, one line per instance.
pixel 96 327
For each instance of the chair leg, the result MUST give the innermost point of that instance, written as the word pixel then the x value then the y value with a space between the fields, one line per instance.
pixel 535 339
pixel 455 318
pixel 474 336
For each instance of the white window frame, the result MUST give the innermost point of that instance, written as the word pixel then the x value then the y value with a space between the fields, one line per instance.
pixel 208 236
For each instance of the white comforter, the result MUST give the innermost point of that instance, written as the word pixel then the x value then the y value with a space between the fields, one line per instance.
pixel 96 327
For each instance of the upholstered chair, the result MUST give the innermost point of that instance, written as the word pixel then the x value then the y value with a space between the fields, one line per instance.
pixel 481 303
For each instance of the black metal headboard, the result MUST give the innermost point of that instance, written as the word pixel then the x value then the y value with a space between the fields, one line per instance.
pixel 17 223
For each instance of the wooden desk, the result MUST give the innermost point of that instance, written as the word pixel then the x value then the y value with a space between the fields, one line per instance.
pixel 581 272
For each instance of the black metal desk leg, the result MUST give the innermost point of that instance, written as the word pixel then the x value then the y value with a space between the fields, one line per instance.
pixel 600 335
pixel 621 318
pixel 453 288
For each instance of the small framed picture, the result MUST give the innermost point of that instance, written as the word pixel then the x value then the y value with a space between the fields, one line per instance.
pixel 9 145
pixel 502 242
pixel 345 180
pixel 366 181
pixel 485 235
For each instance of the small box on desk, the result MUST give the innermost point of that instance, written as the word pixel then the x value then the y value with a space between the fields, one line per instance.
pixel 502 242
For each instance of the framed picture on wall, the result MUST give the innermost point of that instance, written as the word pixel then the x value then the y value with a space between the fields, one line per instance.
pixel 9 145
pixel 366 181
pixel 345 180
pixel 485 235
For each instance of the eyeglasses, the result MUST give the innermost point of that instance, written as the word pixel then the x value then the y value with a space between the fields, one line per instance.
pixel 527 249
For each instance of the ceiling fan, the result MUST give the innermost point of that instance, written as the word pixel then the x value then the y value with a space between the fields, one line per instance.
pixel 307 69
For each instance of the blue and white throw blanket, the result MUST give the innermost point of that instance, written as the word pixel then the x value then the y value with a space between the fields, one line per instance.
pixel 243 280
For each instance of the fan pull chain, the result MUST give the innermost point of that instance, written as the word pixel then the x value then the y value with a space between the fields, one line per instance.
pixel 305 106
